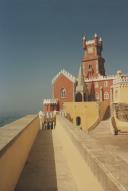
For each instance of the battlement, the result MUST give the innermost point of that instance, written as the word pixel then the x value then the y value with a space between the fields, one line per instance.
pixel 97 41
pixel 65 73
pixel 50 101
pixel 100 78
pixel 123 80
pixel 90 42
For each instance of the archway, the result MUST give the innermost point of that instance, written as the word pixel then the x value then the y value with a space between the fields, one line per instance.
pixel 78 97
pixel 78 121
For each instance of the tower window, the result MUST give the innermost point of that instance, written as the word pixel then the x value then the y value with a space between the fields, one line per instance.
pixel 63 93
pixel 90 66
pixel 106 84
pixel 78 97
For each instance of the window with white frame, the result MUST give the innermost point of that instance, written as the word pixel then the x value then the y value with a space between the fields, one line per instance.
pixel 106 95
pixel 97 96
pixel 63 93
pixel 96 84
pixel 106 84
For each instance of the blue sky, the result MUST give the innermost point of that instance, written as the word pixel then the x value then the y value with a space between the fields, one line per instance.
pixel 39 37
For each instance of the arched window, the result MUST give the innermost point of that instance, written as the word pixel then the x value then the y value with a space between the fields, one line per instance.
pixel 78 97
pixel 106 84
pixel 106 95
pixel 63 93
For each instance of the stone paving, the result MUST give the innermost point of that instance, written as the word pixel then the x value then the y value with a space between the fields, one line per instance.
pixel 55 164
pixel 106 154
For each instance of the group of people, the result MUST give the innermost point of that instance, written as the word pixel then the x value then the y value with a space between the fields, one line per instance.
pixel 47 120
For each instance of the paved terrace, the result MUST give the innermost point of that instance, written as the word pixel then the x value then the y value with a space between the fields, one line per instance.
pixel 55 164
pixel 60 160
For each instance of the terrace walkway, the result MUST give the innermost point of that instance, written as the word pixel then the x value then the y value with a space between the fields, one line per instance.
pixel 55 164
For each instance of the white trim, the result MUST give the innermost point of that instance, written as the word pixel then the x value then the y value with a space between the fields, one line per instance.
pixel 121 80
pixel 100 78
pixel 66 74
pixel 63 93
pixel 90 42
pixel 50 101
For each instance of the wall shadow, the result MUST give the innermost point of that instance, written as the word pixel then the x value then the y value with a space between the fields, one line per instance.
pixel 107 113
pixel 39 173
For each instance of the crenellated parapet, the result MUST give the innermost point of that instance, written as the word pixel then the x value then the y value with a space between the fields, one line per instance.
pixel 97 41
pixel 120 88
pixel 65 73
pixel 100 78
pixel 121 81
pixel 50 101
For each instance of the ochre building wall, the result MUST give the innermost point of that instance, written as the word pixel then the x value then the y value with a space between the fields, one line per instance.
pixel 87 111
pixel 120 94
pixel 104 109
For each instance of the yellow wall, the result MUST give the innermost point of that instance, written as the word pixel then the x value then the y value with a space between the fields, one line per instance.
pixel 13 156
pixel 104 109
pixel 120 94
pixel 88 111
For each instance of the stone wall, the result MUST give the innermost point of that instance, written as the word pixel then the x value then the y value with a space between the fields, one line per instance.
pixel 104 111
pixel 87 111
pixel 16 140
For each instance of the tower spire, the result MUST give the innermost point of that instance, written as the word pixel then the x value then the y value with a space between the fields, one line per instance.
pixel 80 76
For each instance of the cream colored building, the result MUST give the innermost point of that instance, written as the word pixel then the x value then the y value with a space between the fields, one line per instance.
pixel 120 88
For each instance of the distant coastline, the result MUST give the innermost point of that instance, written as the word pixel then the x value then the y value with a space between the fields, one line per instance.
pixel 8 118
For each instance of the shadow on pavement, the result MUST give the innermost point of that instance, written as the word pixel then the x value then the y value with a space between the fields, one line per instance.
pixel 39 173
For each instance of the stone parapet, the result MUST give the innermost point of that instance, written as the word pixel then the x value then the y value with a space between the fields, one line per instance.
pixel 121 81
pixel 106 156
pixel 100 78
pixel 16 140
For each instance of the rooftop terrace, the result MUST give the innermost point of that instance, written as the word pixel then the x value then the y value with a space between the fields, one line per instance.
pixel 62 159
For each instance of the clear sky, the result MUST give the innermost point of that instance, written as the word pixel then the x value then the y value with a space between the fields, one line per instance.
pixel 39 37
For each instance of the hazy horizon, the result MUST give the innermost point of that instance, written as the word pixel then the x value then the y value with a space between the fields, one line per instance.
pixel 38 38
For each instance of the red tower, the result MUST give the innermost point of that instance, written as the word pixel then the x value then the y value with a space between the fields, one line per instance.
pixel 93 62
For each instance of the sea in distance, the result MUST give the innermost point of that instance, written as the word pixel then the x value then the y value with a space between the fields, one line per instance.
pixel 6 118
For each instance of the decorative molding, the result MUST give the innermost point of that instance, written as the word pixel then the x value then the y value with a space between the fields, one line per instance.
pixel 123 80
pixel 90 42
pixel 66 74
pixel 50 101
pixel 100 78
